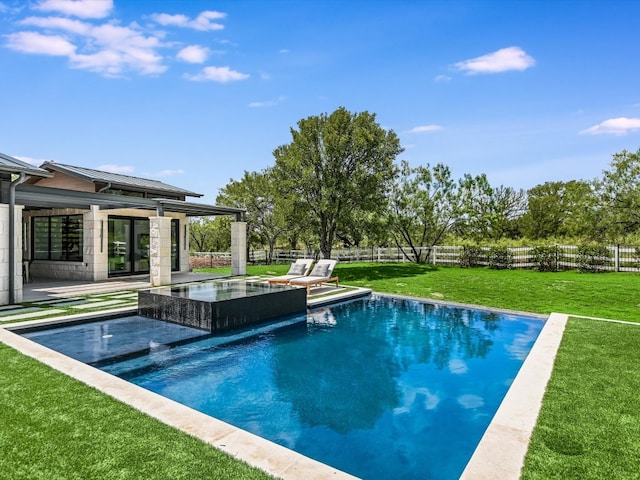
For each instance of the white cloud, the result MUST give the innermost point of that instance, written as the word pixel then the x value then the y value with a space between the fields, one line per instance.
pixel 204 21
pixel 217 74
pixel 268 103
pixel 58 23
pixel 13 9
pixel 168 173
pixel 123 169
pixel 614 126
pixel 193 54
pixel 77 8
pixel 458 367
pixel 503 60
pixel 36 43
pixel 121 49
pixel 442 78
pixel 470 401
pixel 283 51
pixel 108 49
pixel 425 128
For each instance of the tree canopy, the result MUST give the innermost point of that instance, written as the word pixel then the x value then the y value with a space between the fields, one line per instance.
pixel 339 182
pixel 336 165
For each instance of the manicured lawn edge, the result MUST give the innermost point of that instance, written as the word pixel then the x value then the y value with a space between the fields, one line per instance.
pixel 599 295
pixel 589 424
pixel 55 427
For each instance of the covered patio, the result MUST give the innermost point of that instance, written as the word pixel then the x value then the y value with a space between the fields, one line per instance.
pixel 63 222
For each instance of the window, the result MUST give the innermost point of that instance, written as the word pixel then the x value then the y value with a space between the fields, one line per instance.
pixel 57 238
pixel 175 245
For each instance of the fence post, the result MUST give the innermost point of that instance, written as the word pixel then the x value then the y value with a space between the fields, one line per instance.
pixel 616 257
pixel 434 254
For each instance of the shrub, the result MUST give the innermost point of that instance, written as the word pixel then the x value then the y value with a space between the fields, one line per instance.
pixel 472 256
pixel 202 261
pixel 592 258
pixel 500 258
pixel 546 258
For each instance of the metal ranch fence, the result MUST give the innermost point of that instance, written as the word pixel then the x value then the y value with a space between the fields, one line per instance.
pixel 607 258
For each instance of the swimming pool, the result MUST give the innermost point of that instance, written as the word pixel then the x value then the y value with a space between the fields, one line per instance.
pixel 380 387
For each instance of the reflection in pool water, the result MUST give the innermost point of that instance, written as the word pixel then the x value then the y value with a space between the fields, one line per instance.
pixel 380 387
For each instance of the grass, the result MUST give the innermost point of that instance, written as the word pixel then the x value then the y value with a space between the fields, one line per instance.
pixel 606 295
pixel 55 427
pixel 589 425
pixel 64 307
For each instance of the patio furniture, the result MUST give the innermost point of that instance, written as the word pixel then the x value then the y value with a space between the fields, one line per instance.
pixel 321 273
pixel 300 268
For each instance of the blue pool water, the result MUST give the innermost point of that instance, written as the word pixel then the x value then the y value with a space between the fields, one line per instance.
pixel 379 387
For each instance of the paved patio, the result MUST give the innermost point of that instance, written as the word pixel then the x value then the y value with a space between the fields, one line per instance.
pixel 47 298
pixel 49 289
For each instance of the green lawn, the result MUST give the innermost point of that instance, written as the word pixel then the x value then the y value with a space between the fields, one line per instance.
pixel 606 295
pixel 55 427
pixel 589 425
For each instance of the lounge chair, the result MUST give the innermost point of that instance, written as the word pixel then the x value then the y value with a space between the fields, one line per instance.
pixel 321 273
pixel 300 268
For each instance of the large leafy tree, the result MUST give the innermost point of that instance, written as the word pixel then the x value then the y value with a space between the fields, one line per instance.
pixel 620 194
pixel 336 165
pixel 561 209
pixel 210 234
pixel 266 216
pixel 493 213
pixel 425 203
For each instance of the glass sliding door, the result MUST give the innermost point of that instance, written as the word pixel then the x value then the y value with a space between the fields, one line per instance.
pixel 119 246
pixel 129 251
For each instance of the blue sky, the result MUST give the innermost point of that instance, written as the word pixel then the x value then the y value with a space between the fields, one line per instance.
pixel 193 93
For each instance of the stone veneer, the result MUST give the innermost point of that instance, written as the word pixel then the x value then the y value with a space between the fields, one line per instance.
pixel 238 248
pixel 4 255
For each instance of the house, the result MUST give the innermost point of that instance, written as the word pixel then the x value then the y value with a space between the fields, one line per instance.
pixel 69 222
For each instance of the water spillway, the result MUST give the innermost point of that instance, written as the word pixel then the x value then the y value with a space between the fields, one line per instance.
pixel 221 306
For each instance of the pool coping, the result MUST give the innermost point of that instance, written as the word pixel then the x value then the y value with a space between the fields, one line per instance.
pixel 269 457
pixel 503 447
pixel 500 453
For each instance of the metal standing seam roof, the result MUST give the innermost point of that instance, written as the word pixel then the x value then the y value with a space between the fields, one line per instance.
pixel 117 179
pixel 35 196
pixel 9 164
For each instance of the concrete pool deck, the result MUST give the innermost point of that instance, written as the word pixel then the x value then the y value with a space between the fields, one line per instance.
pixel 499 455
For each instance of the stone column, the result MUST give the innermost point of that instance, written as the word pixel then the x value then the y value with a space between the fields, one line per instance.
pixel 160 250
pixel 96 243
pixel 18 279
pixel 5 231
pixel 4 254
pixel 238 248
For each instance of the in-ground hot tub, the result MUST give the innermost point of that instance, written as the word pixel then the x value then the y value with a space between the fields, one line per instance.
pixel 221 306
